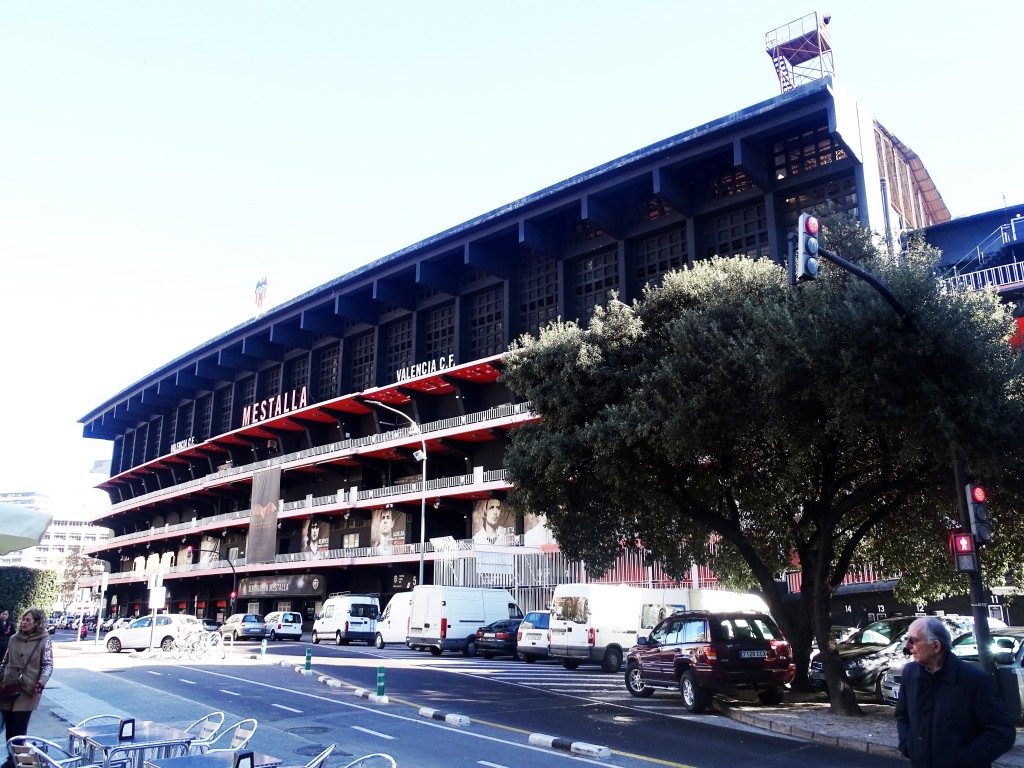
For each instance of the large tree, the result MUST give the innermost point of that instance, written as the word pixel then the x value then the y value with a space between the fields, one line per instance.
pixel 807 425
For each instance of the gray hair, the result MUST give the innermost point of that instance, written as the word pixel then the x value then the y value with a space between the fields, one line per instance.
pixel 934 628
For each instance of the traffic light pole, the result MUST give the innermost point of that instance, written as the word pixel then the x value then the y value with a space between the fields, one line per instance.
pixel 864 275
pixel 979 608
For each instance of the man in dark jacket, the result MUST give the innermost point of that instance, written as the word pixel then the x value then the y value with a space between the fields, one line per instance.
pixel 949 713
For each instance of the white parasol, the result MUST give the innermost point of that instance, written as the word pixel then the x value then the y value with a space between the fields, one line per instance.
pixel 21 527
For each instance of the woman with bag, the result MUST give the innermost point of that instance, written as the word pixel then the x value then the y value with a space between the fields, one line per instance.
pixel 24 672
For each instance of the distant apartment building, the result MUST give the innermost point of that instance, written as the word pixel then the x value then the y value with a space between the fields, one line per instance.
pixel 70 532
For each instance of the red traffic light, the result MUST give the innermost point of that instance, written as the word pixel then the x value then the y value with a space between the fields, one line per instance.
pixel 811 225
pixel 961 543
pixel 978 494
pixel 234 595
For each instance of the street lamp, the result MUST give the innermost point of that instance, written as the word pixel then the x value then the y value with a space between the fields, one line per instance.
pixel 234 574
pixel 421 455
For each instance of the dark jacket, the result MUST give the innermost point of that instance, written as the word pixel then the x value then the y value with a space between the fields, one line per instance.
pixel 7 629
pixel 968 726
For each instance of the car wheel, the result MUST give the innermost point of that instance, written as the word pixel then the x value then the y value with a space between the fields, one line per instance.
pixel 273 636
pixel 529 658
pixel 487 655
pixel 635 682
pixel 315 638
pixel 337 637
pixel 571 663
pixel 695 698
pixel 114 645
pixel 378 641
pixel 612 660
pixel 470 649
pixel 234 635
pixel 770 696
pixel 435 651
pixel 878 688
pixel 167 644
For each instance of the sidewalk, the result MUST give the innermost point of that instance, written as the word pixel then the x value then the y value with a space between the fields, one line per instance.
pixel 809 717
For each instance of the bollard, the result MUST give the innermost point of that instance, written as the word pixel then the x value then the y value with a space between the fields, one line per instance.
pixel 263 647
pixel 309 659
pixel 380 681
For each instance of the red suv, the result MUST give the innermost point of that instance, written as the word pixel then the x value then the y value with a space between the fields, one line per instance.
pixel 697 652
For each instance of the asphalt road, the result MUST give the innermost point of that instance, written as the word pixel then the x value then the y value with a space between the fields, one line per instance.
pixel 505 701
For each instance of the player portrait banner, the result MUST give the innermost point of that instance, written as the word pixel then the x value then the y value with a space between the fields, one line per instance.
pixel 261 544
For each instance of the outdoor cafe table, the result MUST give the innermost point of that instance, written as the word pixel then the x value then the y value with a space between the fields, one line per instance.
pixel 216 759
pixel 150 739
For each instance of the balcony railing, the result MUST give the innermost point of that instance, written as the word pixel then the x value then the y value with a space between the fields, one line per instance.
pixel 329 451
pixel 1001 278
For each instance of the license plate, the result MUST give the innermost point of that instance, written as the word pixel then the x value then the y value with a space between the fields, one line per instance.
pixel 488 634
pixel 895 693
pixel 753 654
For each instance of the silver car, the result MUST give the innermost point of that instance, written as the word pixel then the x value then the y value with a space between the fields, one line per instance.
pixel 239 626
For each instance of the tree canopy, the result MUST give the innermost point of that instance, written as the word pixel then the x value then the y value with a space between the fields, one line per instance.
pixel 805 426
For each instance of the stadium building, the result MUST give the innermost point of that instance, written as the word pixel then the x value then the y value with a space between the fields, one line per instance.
pixel 352 437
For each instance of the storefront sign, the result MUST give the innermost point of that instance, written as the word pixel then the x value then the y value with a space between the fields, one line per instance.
pixel 296 585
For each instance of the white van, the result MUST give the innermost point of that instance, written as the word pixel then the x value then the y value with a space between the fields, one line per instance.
pixel 599 623
pixel 393 624
pixel 447 618
pixel 347 617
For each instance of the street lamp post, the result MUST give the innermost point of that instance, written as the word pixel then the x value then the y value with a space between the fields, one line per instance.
pixel 234 574
pixel 422 456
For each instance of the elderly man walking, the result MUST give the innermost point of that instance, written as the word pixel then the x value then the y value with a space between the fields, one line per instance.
pixel 949 713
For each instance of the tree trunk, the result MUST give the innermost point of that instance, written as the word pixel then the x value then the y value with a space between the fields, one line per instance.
pixel 841 696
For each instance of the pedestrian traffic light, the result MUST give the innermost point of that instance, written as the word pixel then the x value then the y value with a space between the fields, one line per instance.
pixel 233 596
pixel 977 513
pixel 806 260
pixel 961 544
pixel 188 551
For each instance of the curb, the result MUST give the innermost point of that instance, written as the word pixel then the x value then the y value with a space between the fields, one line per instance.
pixel 573 747
pixel 724 706
pixel 434 714
pixel 365 694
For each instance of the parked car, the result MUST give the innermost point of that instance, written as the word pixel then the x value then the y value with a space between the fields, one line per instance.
pixel 698 652
pixel 284 625
pixel 250 626
pixel 532 639
pixel 871 651
pixel 209 625
pixel 1007 645
pixel 108 623
pixel 498 638
pixel 168 630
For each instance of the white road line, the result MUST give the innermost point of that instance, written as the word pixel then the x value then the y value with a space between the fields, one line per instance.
pixel 230 693
pixel 491 765
pixel 158 674
pixel 289 709
pixel 372 733
pixel 186 682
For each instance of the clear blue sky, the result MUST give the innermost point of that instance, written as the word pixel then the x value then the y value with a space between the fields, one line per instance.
pixel 159 158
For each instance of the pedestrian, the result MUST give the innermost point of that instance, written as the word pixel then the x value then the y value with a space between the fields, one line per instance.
pixel 27 667
pixel 6 630
pixel 949 713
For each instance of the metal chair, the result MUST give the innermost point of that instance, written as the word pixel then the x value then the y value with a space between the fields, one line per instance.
pixel 205 730
pixel 240 735
pixel 55 753
pixel 318 761
pixel 386 761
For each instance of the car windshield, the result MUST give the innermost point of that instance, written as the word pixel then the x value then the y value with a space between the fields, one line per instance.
pixel 363 610
pixel 880 632
pixel 252 618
